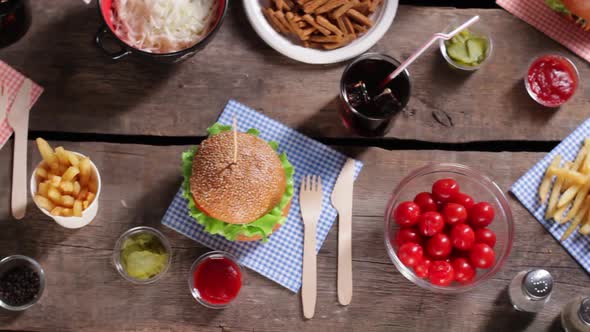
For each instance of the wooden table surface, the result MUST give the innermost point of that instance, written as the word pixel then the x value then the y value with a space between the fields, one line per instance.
pixel 134 120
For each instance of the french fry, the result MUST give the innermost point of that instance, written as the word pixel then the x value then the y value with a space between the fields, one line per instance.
pixel 62 155
pixel 57 211
pixel 47 153
pixel 54 195
pixel 93 183
pixel 66 187
pixel 579 216
pixel 312 5
pixel 42 189
pixel 90 197
pixel 571 177
pixel 67 201
pixel 555 192
pixel 55 180
pixel 77 209
pixel 85 169
pixel 67 212
pixel 72 158
pixel 41 173
pixel 44 203
pixel 546 183
pixel 568 195
pixel 77 188
pixel 558 214
pixel 580 198
pixel 82 194
pixel 70 173
pixel 585 228
pixel 85 204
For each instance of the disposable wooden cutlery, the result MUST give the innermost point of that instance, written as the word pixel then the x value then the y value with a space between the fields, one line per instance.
pixel 18 119
pixel 310 201
pixel 342 201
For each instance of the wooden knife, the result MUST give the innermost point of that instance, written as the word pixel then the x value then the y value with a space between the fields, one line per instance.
pixel 342 201
pixel 18 118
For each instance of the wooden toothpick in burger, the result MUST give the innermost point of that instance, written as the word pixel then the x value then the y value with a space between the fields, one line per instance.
pixel 235 140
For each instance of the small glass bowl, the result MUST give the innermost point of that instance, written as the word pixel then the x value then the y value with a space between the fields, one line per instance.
pixel 471 182
pixel 18 260
pixel 191 280
pixel 119 247
pixel 534 96
pixel 477 29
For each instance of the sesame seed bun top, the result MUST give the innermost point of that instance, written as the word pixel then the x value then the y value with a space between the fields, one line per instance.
pixel 237 193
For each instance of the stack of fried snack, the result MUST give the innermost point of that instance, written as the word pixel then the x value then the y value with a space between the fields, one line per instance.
pixel 323 24
pixel 569 199
pixel 66 182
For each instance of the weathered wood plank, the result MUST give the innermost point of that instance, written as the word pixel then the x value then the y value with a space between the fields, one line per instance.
pixel 85 293
pixel 85 93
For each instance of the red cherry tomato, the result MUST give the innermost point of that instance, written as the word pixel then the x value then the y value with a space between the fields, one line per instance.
pixel 406 235
pixel 421 269
pixel 425 202
pixel 407 214
pixel 462 237
pixel 485 235
pixel 439 246
pixel 444 189
pixel 431 223
pixel 463 199
pixel 482 256
pixel 410 254
pixel 481 215
pixel 441 273
pixel 454 213
pixel 464 272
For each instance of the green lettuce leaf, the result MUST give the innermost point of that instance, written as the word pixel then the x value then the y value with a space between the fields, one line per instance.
pixel 558 6
pixel 262 226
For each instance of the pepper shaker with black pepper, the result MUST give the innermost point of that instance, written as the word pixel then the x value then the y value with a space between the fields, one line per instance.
pixel 575 316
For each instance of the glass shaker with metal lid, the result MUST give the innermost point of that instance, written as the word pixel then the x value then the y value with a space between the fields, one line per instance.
pixel 575 316
pixel 15 20
pixel 530 290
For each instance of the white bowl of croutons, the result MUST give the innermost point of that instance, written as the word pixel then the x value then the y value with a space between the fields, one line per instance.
pixel 321 31
pixel 66 186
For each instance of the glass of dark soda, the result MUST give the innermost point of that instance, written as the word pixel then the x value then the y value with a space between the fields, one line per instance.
pixel 15 20
pixel 368 109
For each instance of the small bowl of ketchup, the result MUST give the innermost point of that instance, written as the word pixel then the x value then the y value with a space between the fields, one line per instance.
pixel 551 80
pixel 215 279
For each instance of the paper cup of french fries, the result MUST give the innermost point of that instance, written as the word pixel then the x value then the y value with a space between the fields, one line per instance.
pixel 65 186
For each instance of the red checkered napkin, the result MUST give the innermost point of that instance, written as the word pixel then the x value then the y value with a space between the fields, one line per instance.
pixel 551 23
pixel 12 80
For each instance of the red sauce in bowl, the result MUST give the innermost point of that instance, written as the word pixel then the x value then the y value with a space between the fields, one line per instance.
pixel 218 280
pixel 552 80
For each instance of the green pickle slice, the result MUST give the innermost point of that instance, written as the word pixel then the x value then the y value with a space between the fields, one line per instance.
pixel 143 256
pixel 467 49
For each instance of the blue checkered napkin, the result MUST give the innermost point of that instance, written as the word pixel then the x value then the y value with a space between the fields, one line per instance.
pixel 280 259
pixel 525 189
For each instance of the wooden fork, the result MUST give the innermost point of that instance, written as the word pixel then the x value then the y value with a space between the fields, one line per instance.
pixel 310 201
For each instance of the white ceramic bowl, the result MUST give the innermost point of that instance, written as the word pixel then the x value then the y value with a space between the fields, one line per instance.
pixel 71 222
pixel 382 18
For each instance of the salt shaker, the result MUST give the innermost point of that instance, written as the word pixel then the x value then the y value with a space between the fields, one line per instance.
pixel 575 316
pixel 530 290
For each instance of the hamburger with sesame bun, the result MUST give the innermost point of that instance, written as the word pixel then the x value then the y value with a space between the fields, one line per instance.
pixel 242 199
pixel 576 10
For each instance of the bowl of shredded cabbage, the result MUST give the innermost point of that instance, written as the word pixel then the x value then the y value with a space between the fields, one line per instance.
pixel 162 30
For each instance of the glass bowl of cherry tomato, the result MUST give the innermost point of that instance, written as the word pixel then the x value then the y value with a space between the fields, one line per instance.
pixel 448 228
